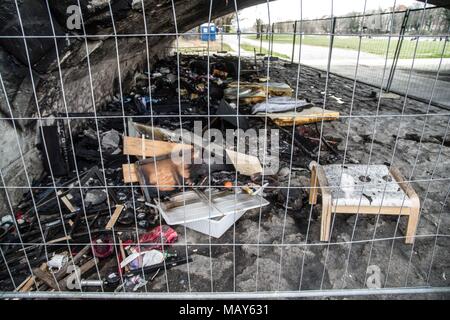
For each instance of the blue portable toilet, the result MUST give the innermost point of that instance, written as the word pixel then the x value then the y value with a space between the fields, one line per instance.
pixel 208 32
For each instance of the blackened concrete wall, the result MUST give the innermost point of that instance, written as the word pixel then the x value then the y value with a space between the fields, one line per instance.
pixel 18 99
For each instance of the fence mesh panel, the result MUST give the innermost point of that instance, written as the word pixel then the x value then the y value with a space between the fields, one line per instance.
pixel 285 159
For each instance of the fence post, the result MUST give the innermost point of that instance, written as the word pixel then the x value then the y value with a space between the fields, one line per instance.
pixel 261 30
pixel 221 39
pixel 330 52
pixel 398 49
pixel 293 41
pixel 271 41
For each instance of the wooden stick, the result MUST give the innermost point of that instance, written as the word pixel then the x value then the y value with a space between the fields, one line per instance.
pixel 59 240
pixel 68 204
pixel 26 284
pixel 46 277
pixel 122 252
pixel 114 217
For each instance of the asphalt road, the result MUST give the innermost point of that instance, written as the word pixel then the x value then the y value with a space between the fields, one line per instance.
pixel 371 68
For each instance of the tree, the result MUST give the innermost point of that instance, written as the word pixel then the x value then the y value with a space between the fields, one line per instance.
pixel 225 21
pixel 258 25
pixel 353 23
pixel 445 18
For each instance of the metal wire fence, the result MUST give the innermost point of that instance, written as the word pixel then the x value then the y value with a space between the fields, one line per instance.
pixel 397 39
pixel 334 188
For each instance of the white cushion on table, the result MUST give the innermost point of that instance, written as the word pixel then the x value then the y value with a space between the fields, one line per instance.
pixel 376 192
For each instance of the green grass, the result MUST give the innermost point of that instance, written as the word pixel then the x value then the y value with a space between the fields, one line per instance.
pixel 378 46
pixel 189 50
pixel 227 47
pixel 249 47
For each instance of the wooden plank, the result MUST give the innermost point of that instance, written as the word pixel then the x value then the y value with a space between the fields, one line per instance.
pixel 122 253
pixel 372 210
pixel 59 240
pixel 151 148
pixel 63 272
pixel 68 204
pixel 406 187
pixel 245 164
pixel 114 217
pixel 311 115
pixel 130 174
pixel 149 131
pixel 20 286
pixel 323 181
pixel 28 285
pixel 46 277
pixel 83 269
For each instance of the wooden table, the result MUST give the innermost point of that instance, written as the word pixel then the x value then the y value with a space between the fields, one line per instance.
pixel 362 189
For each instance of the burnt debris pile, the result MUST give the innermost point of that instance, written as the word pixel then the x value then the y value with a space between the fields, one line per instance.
pixel 123 185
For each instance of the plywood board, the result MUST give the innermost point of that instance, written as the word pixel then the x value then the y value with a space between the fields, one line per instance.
pixel 150 148
pixel 310 115
pixel 244 163
pixel 130 173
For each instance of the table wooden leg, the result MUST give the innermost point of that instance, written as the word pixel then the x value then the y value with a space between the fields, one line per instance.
pixel 326 218
pixel 314 184
pixel 413 221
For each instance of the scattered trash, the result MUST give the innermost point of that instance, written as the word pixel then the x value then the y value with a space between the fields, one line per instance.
pixel 284 172
pixel 215 227
pixel 57 261
pixel 95 197
pixel 235 119
pixel 52 152
pixel 279 104
pixel 196 205
pixel 120 191
pixel 338 100
pixel 228 184
pixel 251 93
pixel 161 234
pixel 110 140
pixel 384 95
pixel 162 174
pixel 143 259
